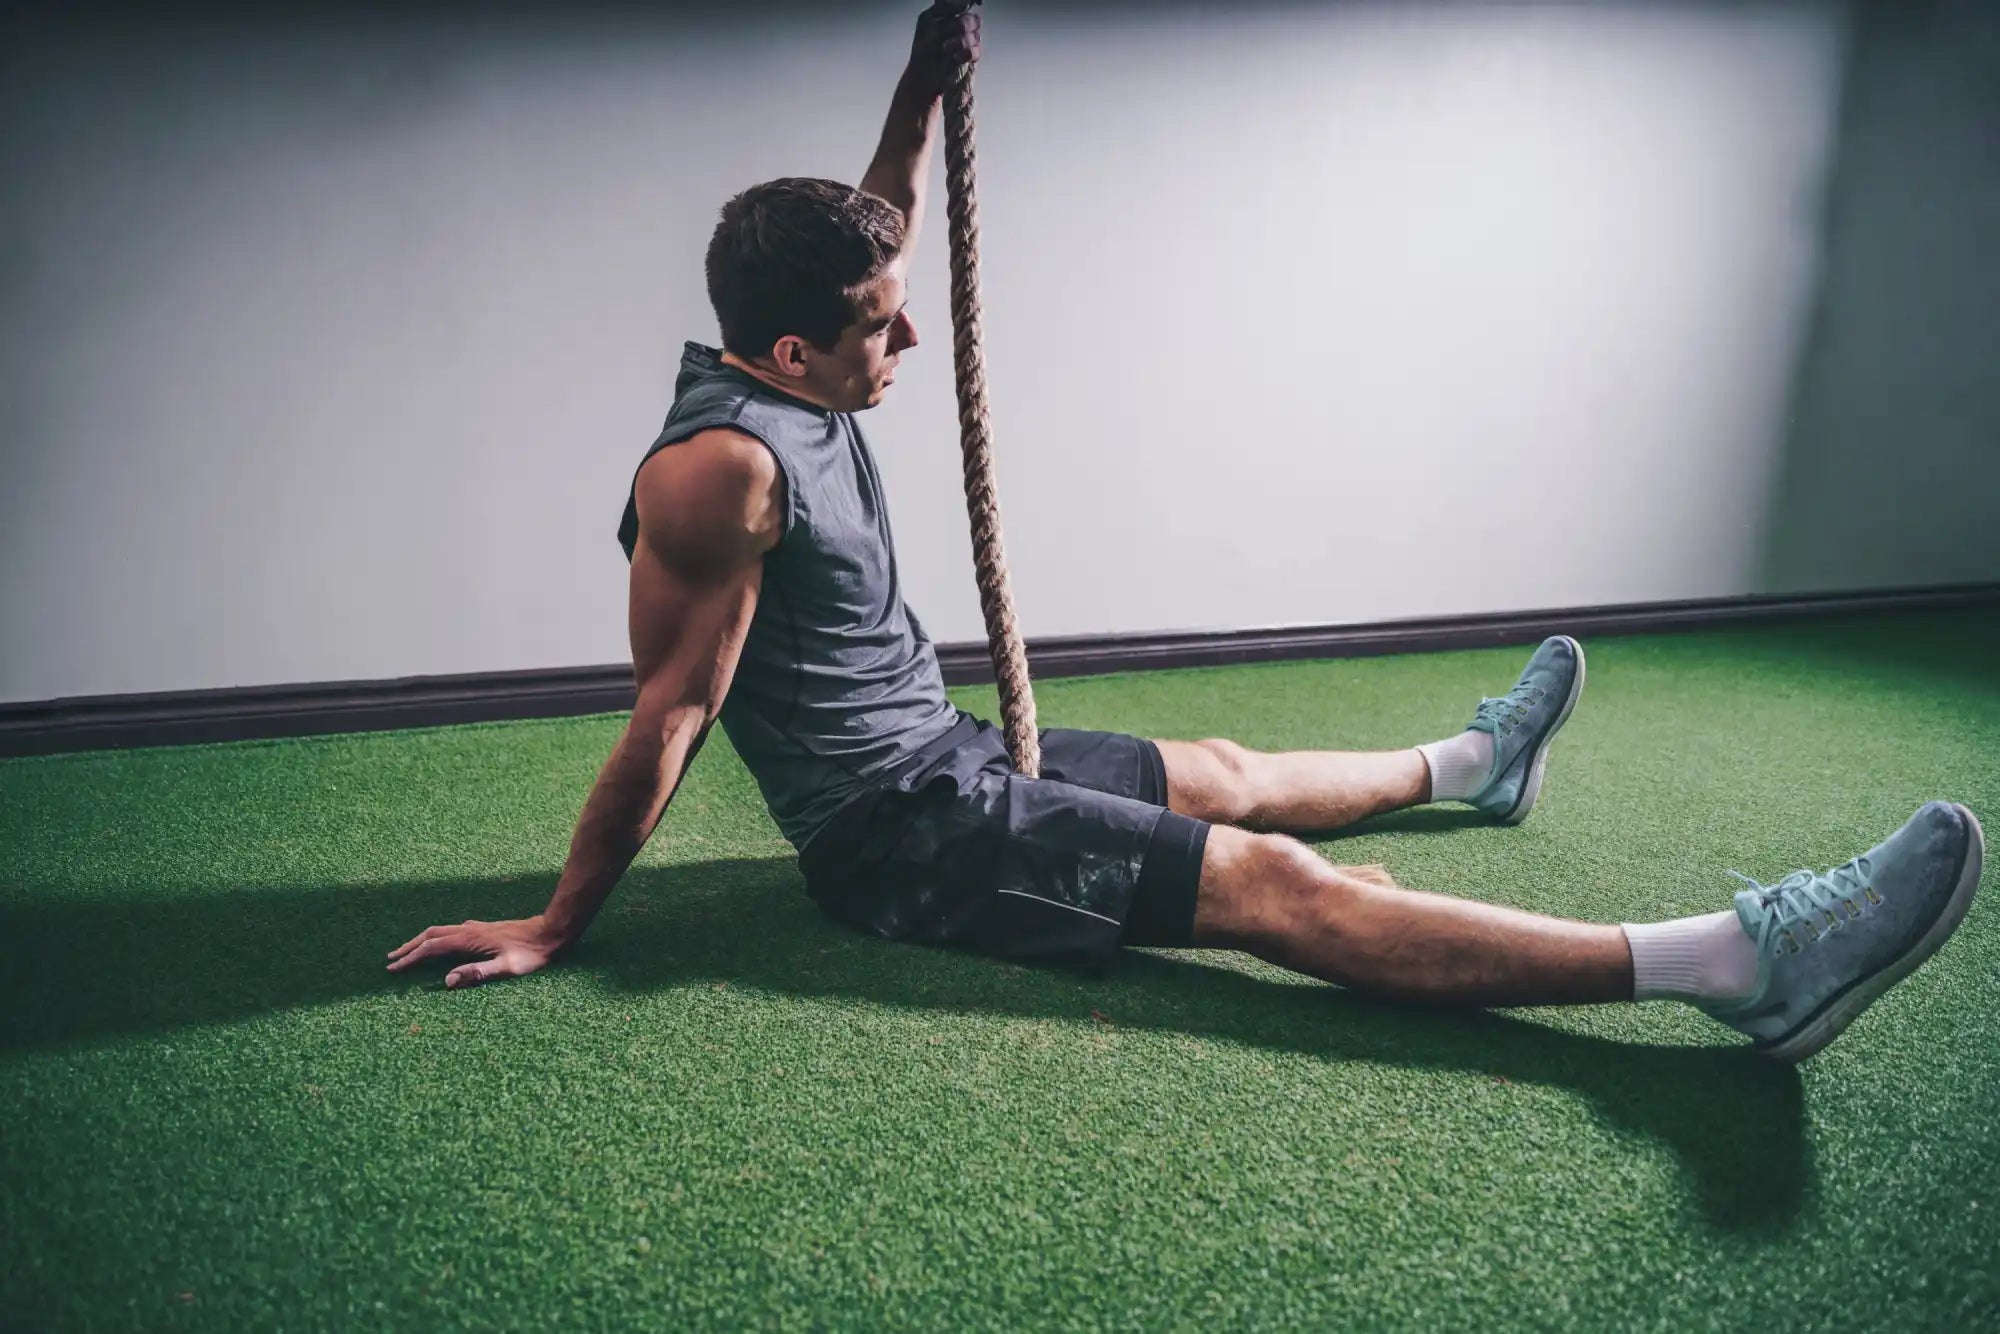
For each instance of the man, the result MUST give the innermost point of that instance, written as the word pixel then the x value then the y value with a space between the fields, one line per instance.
pixel 764 593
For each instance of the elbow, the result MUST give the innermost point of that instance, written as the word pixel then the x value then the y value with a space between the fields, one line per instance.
pixel 668 720
pixel 893 186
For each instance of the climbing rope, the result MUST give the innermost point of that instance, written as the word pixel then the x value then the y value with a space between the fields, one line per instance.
pixel 975 429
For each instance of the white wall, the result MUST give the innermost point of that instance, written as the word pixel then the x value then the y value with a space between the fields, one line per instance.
pixel 330 344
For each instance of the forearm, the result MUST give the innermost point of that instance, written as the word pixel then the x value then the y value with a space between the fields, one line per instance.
pixel 623 809
pixel 900 171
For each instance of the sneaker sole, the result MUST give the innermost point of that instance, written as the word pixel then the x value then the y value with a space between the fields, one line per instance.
pixel 1837 1013
pixel 1532 789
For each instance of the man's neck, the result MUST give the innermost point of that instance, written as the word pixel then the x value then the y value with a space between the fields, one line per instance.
pixel 782 383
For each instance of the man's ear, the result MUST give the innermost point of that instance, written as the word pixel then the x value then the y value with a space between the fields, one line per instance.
pixel 788 354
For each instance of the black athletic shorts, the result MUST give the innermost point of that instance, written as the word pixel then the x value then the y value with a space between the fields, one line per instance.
pixel 955 848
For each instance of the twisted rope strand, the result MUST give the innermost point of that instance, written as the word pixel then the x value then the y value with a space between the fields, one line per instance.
pixel 975 431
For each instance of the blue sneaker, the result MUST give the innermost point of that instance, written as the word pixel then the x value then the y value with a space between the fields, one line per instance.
pixel 1523 723
pixel 1828 945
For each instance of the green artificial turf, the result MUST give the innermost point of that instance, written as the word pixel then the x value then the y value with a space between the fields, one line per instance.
pixel 220 1112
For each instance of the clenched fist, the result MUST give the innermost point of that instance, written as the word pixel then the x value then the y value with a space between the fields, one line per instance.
pixel 947 37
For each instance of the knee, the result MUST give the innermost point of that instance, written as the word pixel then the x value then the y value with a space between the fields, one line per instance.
pixel 1261 888
pixel 1232 789
pixel 1305 889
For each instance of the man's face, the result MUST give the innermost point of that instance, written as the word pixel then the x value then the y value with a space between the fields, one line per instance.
pixel 862 365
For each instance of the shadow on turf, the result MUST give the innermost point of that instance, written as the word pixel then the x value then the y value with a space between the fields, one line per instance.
pixel 97 970
pixel 1414 820
pixel 1927 653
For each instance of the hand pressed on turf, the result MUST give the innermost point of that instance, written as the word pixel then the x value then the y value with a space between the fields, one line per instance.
pixel 506 949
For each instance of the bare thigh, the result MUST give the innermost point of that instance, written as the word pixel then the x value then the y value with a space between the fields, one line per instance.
pixel 1224 782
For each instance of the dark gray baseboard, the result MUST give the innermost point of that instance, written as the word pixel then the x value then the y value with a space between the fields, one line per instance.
pixel 262 712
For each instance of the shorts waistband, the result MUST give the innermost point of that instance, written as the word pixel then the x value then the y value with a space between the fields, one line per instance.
pixel 962 731
pixel 959 734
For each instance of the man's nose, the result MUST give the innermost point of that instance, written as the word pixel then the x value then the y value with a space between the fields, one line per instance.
pixel 906 332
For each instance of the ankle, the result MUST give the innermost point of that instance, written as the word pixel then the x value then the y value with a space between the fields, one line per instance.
pixel 1699 959
pixel 1459 765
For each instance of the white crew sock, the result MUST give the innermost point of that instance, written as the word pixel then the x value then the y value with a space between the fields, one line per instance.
pixel 1709 958
pixel 1459 764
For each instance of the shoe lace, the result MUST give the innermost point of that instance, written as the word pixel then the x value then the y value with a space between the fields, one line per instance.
pixel 1506 713
pixel 1800 908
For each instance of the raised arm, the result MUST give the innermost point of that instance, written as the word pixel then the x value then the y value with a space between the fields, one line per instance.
pixel 709 508
pixel 900 172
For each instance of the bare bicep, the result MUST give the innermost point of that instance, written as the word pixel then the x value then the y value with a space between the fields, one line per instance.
pixel 687 629
pixel 709 509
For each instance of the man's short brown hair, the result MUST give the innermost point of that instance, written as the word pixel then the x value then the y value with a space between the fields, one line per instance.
pixel 787 256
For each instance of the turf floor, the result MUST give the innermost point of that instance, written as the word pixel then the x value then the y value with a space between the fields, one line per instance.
pixel 220 1112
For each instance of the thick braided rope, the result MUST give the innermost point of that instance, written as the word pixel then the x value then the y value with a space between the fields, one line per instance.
pixel 975 432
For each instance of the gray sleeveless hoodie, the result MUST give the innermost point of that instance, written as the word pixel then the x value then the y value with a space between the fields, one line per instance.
pixel 838 683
